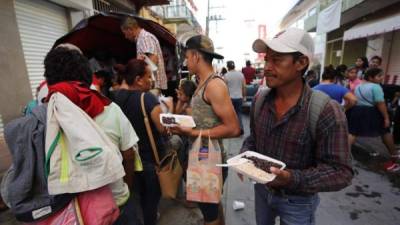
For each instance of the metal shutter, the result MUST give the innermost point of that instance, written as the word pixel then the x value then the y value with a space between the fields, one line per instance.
pixel 1 128
pixel 393 64
pixel 40 24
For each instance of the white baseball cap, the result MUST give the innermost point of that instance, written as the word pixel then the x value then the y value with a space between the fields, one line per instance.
pixel 287 41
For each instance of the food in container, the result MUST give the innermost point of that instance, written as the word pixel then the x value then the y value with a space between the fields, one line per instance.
pixel 173 120
pixel 255 166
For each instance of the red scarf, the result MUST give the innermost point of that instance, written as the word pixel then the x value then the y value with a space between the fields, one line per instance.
pixel 90 101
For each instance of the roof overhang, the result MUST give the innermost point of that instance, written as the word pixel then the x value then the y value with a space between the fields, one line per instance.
pixel 373 27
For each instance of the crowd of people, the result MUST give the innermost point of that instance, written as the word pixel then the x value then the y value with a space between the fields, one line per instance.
pixel 118 98
pixel 289 121
pixel 359 89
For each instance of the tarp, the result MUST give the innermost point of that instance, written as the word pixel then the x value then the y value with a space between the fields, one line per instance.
pixel 329 18
pixel 103 32
pixel 373 27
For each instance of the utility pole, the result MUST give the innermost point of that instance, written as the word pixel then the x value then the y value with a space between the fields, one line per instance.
pixel 208 18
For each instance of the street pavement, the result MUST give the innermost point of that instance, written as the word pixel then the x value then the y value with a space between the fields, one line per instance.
pixel 371 199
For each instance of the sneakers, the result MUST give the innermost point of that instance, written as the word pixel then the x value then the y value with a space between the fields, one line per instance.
pixel 391 166
pixel 374 154
pixel 396 155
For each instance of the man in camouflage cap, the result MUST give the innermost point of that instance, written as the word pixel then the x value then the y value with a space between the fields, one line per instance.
pixel 212 109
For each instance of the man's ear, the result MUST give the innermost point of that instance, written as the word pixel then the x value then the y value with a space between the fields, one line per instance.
pixel 302 63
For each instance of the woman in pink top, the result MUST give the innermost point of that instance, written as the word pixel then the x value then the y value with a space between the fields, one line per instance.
pixel 354 81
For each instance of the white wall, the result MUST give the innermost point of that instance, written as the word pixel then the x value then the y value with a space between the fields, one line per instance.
pixel 380 45
pixel 375 46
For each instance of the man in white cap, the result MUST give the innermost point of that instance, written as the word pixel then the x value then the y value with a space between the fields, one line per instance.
pixel 300 127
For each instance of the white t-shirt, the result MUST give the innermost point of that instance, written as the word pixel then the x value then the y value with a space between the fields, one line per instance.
pixel 234 80
pixel 115 124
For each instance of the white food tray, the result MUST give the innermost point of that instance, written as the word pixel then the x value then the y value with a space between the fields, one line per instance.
pixel 249 170
pixel 180 120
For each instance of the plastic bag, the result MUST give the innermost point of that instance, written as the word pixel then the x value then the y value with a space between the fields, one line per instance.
pixel 96 207
pixel 204 178
pixel 70 215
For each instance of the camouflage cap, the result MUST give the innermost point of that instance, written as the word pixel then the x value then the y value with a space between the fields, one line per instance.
pixel 204 44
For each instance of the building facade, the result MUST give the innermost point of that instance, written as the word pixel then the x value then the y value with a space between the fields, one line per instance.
pixel 173 15
pixel 366 28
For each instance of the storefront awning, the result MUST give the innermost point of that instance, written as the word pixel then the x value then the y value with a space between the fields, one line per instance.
pixel 373 27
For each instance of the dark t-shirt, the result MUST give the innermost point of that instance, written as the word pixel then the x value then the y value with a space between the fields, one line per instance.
pixel 129 101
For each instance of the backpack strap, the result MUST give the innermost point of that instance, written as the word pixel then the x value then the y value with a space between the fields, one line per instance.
pixel 149 131
pixel 259 101
pixel 317 104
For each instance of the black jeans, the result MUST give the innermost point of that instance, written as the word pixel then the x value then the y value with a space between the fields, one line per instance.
pixel 128 213
pixel 237 104
pixel 147 187
pixel 211 211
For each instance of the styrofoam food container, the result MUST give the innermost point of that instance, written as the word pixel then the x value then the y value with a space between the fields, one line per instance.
pixel 249 170
pixel 181 120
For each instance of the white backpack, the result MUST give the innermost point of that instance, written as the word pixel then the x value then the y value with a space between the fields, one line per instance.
pixel 79 155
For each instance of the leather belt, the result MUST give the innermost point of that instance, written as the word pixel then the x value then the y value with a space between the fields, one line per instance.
pixel 283 193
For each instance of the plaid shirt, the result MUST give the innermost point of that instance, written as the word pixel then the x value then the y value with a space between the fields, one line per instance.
pixel 147 43
pixel 316 166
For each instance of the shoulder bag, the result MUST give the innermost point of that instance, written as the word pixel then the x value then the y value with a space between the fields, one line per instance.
pixel 169 169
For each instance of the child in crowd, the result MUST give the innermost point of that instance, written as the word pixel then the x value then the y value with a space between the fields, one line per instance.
pixel 354 81
pixel 361 65
pixel 184 94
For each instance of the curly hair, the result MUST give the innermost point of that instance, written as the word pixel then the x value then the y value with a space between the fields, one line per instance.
pixel 63 64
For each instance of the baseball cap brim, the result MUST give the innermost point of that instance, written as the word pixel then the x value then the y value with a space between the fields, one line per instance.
pixel 213 54
pixel 261 46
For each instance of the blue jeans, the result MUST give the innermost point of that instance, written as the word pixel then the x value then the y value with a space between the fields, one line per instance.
pixel 237 105
pixel 291 209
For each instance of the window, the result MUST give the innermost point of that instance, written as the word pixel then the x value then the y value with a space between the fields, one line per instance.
pixel 300 22
pixel 106 6
pixel 312 11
